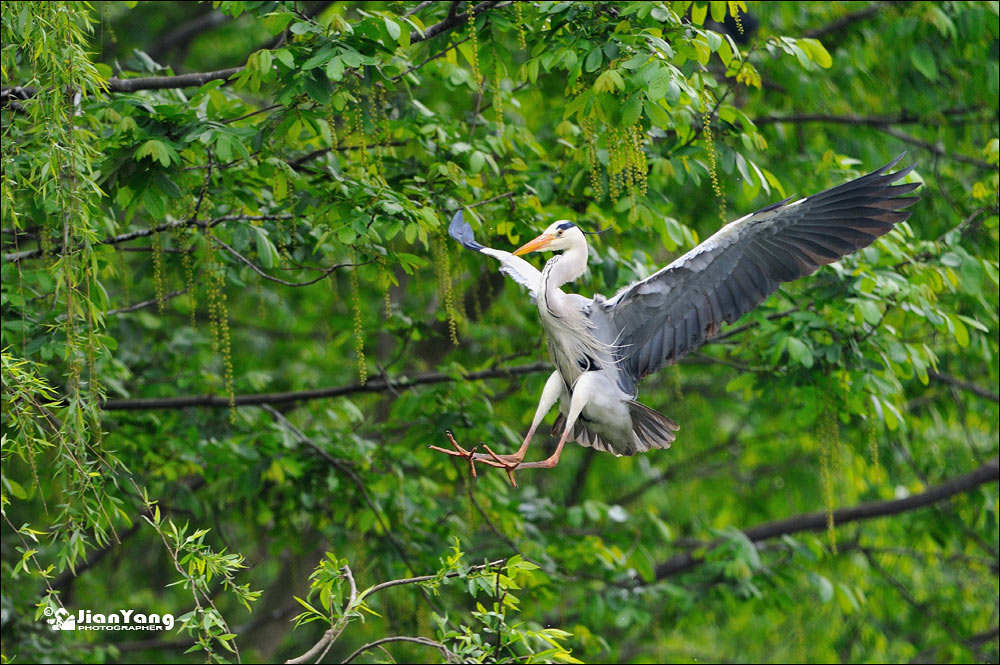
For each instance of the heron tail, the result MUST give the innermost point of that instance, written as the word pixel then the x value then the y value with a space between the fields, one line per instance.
pixel 650 428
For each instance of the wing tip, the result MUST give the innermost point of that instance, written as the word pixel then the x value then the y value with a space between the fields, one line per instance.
pixel 460 230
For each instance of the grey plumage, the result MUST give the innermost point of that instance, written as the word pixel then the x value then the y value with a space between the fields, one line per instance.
pixel 654 322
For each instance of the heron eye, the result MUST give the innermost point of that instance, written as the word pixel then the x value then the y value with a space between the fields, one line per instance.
pixel 559 233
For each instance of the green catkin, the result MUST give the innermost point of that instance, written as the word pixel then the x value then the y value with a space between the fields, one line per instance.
pixel 734 11
pixel 158 270
pixel 219 322
pixel 375 113
pixel 474 38
pixel 261 306
pixel 359 126
pixel 213 294
pixel 359 338
pixel 640 168
pixel 871 433
pixel 385 133
pixel 445 291
pixel 498 94
pixel 614 164
pixel 186 245
pixel 386 284
pixel 713 166
pixel 521 38
pixel 829 442
pixel 674 381
pixel 593 163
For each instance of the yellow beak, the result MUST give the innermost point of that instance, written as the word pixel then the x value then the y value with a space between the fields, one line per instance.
pixel 541 242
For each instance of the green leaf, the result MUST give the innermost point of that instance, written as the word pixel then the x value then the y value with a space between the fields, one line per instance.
pixel 392 27
pixel 817 52
pixel 800 352
pixel 320 57
pixel 335 69
pixel 699 11
pixel 632 110
pixel 593 60
pixel 718 8
pixel 923 61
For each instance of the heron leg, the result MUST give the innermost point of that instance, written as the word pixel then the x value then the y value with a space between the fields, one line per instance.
pixel 581 396
pixel 550 395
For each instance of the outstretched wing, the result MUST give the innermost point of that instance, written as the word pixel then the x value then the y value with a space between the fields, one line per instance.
pixel 677 309
pixel 520 270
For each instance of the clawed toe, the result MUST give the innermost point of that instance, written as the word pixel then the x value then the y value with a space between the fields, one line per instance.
pixel 459 451
pixel 506 462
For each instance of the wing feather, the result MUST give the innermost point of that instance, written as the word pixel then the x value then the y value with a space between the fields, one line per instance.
pixel 670 313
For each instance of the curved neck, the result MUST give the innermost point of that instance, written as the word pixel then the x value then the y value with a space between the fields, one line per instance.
pixel 566 267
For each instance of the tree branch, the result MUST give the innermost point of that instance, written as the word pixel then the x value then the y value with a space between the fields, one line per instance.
pixel 902 118
pixel 964 385
pixel 145 303
pixel 448 655
pixel 423 578
pixel 843 21
pixel 923 608
pixel 324 272
pixel 333 633
pixel 374 386
pixel 182 34
pixel 987 473
pixel 142 233
pixel 881 124
pixel 453 21
pixel 197 79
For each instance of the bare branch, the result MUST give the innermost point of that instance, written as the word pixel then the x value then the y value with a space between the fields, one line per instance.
pixel 881 124
pixel 425 578
pixel 935 149
pixel 448 655
pixel 182 34
pixel 964 385
pixel 902 118
pixel 987 473
pixel 145 303
pixel 453 21
pixel 844 21
pixel 421 6
pixel 430 58
pixel 325 272
pixel 373 386
pixel 923 608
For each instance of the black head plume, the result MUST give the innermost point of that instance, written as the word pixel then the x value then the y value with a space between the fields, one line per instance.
pixel 598 231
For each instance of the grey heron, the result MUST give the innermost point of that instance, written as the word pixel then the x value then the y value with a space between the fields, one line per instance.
pixel 602 347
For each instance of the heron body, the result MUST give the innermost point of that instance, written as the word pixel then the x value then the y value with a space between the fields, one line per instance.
pixel 602 347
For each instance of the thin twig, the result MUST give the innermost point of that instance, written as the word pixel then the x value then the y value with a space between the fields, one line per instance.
pixel 373 386
pixel 425 578
pixel 448 655
pixel 253 266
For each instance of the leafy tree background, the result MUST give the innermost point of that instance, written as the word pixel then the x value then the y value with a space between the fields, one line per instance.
pixel 232 323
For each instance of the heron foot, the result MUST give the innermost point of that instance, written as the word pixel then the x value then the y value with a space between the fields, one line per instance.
pixel 506 462
pixel 469 455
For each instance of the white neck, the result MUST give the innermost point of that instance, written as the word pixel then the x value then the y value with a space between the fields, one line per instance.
pixel 566 267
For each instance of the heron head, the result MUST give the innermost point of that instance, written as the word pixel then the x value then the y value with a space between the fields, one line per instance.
pixel 559 236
